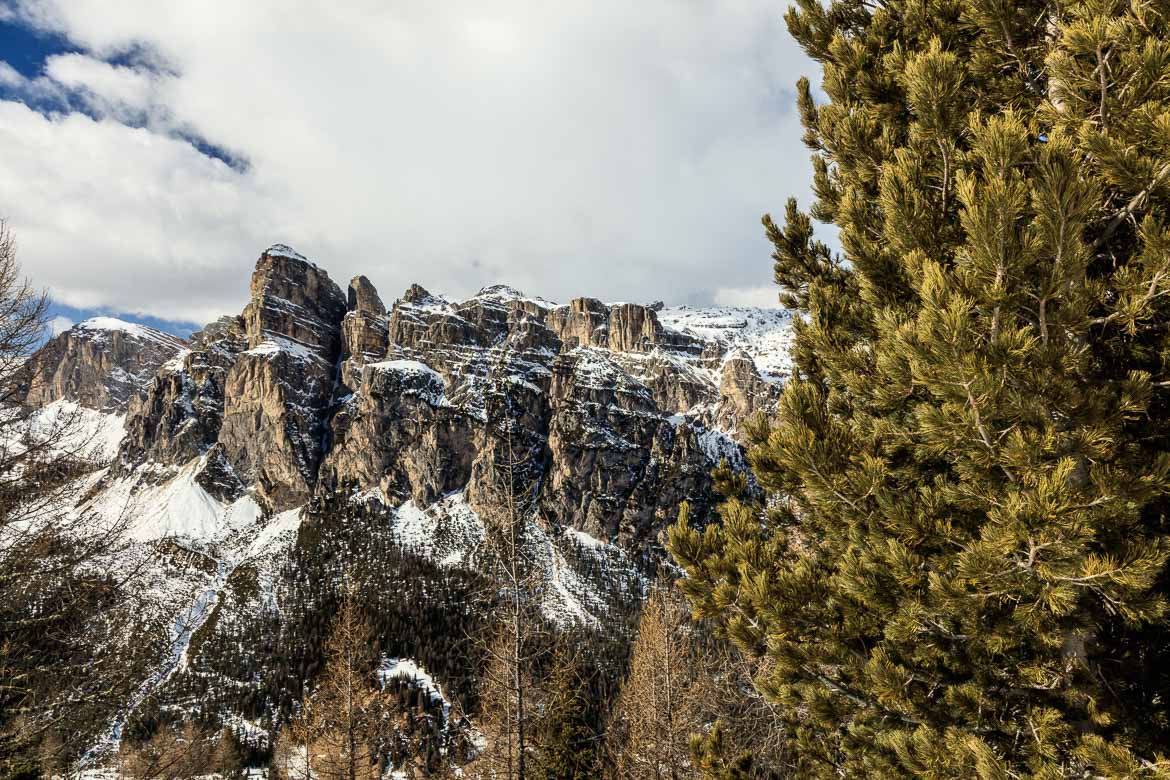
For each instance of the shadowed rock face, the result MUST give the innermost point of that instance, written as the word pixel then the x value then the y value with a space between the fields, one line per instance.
pixel 364 330
pixel 102 364
pixel 610 418
pixel 182 411
pixel 277 392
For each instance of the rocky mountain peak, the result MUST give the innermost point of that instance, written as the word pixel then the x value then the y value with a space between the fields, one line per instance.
pixel 321 428
pixel 294 299
pixel 102 363
pixel 363 297
pixel 501 292
pixel 621 327
pixel 418 294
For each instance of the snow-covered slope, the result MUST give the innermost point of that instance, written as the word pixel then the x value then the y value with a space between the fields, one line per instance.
pixel 764 334
pixel 79 431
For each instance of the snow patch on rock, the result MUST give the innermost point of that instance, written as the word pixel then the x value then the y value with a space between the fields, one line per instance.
pixel 80 431
pixel 408 669
pixel 447 532
pixel 764 334
pixel 103 325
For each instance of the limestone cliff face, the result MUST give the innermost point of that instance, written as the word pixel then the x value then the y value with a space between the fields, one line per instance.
pixel 102 363
pixel 606 411
pixel 363 330
pixel 277 392
pixel 257 387
pixel 181 414
pixel 398 436
pixel 608 415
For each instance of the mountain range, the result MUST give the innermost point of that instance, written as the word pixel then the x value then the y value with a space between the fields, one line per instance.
pixel 320 436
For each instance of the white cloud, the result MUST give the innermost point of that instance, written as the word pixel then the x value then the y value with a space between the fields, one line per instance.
pixel 764 297
pixel 582 147
pixel 59 325
pixel 115 217
pixel 9 76
pixel 112 89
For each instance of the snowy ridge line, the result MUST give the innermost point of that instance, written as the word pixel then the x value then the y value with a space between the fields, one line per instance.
pixel 764 334
pixel 284 250
pixel 102 325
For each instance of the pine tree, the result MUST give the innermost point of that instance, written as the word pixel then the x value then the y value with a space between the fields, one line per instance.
pixel 567 733
pixel 711 756
pixel 960 569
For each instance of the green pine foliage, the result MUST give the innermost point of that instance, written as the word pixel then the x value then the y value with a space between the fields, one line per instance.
pixel 960 568
pixel 568 729
pixel 710 754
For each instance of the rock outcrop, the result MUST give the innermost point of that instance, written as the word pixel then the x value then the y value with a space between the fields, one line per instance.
pixel 398 436
pixel 102 363
pixel 606 416
pixel 257 387
pixel 364 330
pixel 742 391
pixel 180 416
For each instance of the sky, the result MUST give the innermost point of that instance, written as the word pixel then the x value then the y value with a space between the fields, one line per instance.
pixel 151 149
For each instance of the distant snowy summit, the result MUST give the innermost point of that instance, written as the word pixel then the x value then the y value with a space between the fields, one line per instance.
pixel 102 363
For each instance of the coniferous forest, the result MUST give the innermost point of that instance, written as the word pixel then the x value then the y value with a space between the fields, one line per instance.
pixel 941 549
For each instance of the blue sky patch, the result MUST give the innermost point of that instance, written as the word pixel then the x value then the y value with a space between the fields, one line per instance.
pixel 26 49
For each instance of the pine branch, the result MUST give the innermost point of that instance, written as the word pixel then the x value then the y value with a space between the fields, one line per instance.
pixel 1127 211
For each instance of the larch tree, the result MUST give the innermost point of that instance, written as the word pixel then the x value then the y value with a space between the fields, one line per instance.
pixel 340 730
pixel 960 566
pixel 67 663
pixel 657 711
pixel 510 692
pixel 174 752
pixel 510 701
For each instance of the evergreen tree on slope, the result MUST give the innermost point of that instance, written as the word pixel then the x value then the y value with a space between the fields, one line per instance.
pixel 961 568
pixel 567 733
